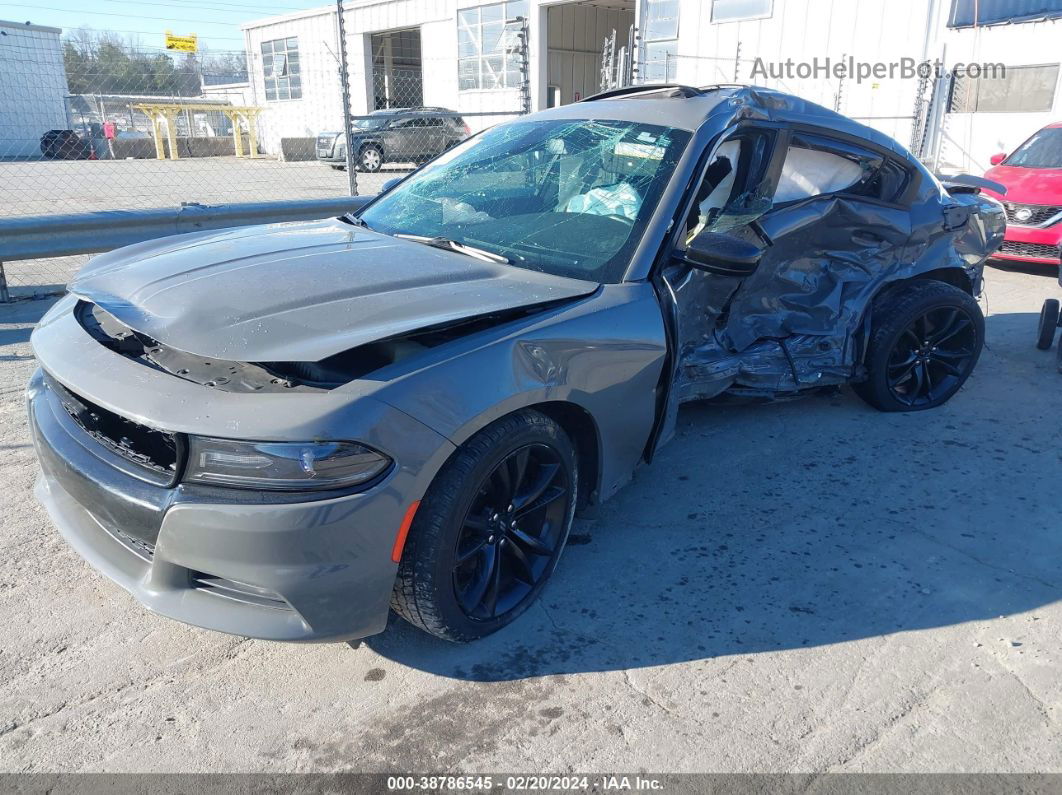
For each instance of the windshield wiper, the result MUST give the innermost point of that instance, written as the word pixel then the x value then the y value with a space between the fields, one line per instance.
pixel 460 248
pixel 354 220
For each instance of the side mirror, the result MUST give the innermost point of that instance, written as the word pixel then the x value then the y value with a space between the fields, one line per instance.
pixel 995 160
pixel 724 255
pixel 390 184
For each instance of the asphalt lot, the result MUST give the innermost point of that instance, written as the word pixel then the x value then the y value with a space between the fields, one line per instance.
pixel 80 186
pixel 808 586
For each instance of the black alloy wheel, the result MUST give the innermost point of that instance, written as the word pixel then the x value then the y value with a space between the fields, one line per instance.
pixel 512 533
pixel 936 352
pixel 490 529
pixel 925 340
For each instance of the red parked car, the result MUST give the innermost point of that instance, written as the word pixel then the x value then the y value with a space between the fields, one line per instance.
pixel 1033 176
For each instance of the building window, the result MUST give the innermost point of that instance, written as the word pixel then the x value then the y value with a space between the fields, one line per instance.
pixel 660 27
pixel 488 47
pixel 1023 89
pixel 738 10
pixel 280 69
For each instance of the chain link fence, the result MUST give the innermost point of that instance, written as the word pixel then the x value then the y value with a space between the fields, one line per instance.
pixel 92 121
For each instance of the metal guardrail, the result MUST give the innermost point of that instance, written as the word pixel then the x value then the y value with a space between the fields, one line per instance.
pixel 42 236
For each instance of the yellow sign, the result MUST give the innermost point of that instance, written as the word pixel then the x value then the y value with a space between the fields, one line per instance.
pixel 182 43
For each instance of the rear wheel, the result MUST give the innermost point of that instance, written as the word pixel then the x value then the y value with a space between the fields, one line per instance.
pixel 490 530
pixel 926 338
pixel 370 159
pixel 1045 337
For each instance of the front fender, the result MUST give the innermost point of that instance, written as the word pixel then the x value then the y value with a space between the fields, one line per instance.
pixel 603 354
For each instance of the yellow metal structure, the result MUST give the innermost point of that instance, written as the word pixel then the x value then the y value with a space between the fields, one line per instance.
pixel 164 114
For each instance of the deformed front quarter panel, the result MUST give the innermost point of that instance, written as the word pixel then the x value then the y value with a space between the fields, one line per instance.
pixel 603 354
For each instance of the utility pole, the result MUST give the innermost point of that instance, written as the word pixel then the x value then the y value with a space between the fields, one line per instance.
pixel 344 80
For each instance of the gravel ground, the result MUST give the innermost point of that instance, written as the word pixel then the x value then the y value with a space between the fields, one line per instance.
pixel 808 586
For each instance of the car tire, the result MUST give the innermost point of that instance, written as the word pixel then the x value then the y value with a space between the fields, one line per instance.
pixel 370 159
pixel 447 576
pixel 925 340
pixel 1045 337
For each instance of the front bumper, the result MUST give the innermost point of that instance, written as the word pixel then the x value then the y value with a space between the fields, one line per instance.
pixel 1032 244
pixel 288 568
pixel 325 148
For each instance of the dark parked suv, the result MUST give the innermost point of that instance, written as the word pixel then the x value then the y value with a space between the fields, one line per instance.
pixel 397 135
pixel 65 145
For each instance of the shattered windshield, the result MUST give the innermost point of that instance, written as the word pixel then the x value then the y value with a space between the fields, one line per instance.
pixel 566 197
pixel 1043 150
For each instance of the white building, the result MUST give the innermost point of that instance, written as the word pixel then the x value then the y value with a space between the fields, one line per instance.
pixel 458 54
pixel 466 55
pixel 987 116
pixel 32 87
pixel 699 42
pixel 796 46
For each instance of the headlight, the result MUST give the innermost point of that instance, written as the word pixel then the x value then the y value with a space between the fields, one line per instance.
pixel 281 466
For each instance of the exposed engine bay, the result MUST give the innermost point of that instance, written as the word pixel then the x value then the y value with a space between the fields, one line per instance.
pixel 324 375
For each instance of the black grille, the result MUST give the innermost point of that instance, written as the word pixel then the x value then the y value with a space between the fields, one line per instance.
pixel 157 451
pixel 1039 213
pixel 238 591
pixel 1034 250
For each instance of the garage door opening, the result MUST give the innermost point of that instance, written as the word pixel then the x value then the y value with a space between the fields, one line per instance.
pixel 397 72
pixel 588 48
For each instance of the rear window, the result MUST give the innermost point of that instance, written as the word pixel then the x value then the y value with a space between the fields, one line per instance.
pixel 816 165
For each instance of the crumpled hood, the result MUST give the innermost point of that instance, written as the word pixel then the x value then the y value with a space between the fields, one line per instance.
pixel 300 291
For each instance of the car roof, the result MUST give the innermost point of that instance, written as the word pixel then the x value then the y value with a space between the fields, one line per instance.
pixel 650 104
pixel 690 108
pixel 425 110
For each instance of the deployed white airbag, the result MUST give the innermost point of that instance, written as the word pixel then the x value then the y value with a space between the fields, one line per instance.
pixel 619 199
pixel 808 172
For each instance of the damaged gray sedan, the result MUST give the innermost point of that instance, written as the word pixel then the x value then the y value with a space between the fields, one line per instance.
pixel 284 431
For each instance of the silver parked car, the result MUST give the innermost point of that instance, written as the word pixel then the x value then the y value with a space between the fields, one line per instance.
pixel 285 431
